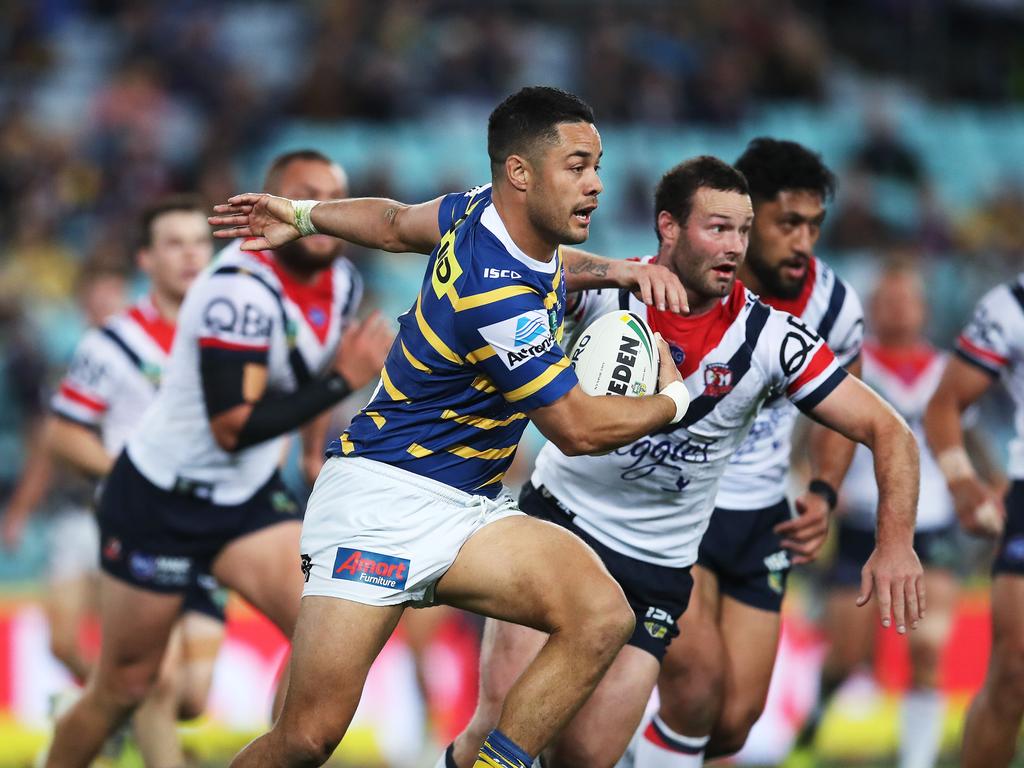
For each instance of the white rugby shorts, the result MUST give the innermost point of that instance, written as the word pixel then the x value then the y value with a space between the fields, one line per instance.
pixel 380 535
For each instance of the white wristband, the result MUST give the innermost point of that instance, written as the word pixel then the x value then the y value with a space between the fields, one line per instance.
pixel 955 464
pixel 302 211
pixel 677 391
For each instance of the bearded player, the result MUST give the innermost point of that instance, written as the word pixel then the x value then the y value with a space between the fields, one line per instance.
pixel 644 507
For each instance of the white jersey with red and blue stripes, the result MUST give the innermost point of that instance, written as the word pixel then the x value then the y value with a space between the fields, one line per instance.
pixel 993 341
pixel 652 499
pixel 115 373
pixel 244 301
pixel 906 379
pixel 756 477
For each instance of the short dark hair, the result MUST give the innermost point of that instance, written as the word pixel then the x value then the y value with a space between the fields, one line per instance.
pixel 678 186
pixel 282 161
pixel 169 204
pixel 772 166
pixel 530 115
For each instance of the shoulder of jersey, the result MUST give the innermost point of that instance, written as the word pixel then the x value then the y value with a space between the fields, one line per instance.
pixel 232 257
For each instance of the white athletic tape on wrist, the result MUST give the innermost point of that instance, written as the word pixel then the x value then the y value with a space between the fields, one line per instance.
pixel 302 210
pixel 677 391
pixel 955 464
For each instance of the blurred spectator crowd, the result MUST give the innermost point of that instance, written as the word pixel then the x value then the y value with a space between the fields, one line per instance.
pixel 107 104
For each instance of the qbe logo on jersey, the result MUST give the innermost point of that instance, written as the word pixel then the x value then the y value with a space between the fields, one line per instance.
pixel 371 568
pixel 521 338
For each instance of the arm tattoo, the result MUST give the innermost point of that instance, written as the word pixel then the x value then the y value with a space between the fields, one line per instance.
pixel 389 213
pixel 594 267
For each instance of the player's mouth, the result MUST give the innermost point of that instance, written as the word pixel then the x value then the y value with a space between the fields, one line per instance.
pixel 794 269
pixel 724 270
pixel 583 213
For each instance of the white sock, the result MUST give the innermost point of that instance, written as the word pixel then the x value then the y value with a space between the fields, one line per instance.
pixel 660 747
pixel 921 713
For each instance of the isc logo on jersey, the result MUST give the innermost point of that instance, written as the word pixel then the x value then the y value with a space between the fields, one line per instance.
pixel 616 355
pixel 520 338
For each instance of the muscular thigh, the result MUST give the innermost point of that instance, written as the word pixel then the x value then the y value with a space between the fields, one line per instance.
pixel 528 572
pixel 699 645
pixel 1007 616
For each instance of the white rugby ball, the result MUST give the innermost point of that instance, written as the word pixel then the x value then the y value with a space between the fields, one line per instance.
pixel 617 355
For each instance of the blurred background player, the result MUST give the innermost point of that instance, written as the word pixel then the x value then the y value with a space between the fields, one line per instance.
pixel 990 348
pixel 644 507
pixel 112 380
pixel 904 368
pixel 714 682
pixel 258 352
pixel 66 498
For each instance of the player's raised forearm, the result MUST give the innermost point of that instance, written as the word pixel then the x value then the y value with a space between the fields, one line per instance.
pixel 375 222
pixel 652 283
pixel 942 421
pixel 80 447
pixel 580 424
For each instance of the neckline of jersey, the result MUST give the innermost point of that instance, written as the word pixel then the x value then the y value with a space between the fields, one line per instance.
pixel 492 221
pixel 318 295
pixel 905 364
pixel 156 326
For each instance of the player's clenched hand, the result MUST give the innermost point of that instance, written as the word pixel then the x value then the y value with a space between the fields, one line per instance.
pixel 655 285
pixel 805 534
pixel 894 575
pixel 667 371
pixel 363 349
pixel 265 221
pixel 979 510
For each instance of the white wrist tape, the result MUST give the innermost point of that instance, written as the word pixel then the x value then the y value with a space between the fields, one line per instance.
pixel 677 391
pixel 955 464
pixel 302 210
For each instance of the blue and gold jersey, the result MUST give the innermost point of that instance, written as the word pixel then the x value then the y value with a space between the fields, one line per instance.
pixel 478 349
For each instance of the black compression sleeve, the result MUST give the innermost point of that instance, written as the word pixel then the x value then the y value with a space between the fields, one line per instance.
pixel 271 417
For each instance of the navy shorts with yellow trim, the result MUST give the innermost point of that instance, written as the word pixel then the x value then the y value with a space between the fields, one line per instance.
pixel 166 541
pixel 746 555
pixel 657 594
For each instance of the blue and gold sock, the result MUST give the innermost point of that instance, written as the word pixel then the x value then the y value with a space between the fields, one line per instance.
pixel 499 751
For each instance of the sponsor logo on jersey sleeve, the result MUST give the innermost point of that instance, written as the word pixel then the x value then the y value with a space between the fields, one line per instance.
pixel 371 568
pixel 521 338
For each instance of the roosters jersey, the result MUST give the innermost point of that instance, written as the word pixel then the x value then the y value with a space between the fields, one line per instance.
pixel 652 499
pixel 477 350
pixel 994 342
pixel 907 380
pixel 243 301
pixel 115 372
pixel 756 476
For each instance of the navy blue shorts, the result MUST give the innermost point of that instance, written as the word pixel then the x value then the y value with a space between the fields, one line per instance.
pixel 746 555
pixel 936 548
pixel 1010 557
pixel 658 595
pixel 207 597
pixel 166 541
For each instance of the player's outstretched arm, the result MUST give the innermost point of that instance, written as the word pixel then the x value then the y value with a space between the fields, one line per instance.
pixel 372 222
pixel 578 423
pixel 79 446
pixel 979 510
pixel 653 284
pixel 829 455
pixel 893 572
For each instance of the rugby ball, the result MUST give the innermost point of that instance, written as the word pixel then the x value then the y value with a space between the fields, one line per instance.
pixel 617 355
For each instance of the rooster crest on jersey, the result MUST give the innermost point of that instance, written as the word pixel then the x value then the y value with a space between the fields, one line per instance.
pixel 717 379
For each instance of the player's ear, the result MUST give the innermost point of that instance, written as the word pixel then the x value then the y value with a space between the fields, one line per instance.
pixel 517 171
pixel 668 227
pixel 144 260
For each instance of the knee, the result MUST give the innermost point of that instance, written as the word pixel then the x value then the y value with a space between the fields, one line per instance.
pixel 64 648
pixel 191 704
pixel 309 745
pixel 126 689
pixel 924 666
pixel 1007 678
pixel 691 689
pixel 603 622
